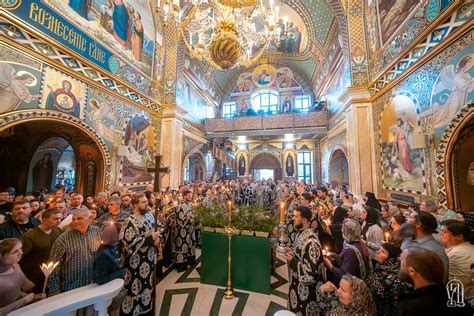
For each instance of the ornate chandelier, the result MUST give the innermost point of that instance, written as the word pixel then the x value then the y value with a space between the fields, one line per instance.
pixel 226 33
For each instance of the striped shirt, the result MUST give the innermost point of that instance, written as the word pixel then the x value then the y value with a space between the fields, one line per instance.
pixel 75 253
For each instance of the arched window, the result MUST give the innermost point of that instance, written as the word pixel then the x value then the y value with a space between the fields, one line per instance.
pixel 265 102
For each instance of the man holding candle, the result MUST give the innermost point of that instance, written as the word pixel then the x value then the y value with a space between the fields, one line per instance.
pixel 305 261
pixel 37 244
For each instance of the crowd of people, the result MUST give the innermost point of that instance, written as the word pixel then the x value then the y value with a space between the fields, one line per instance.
pixel 347 254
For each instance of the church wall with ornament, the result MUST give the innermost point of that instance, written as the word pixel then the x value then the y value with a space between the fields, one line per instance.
pixel 414 119
pixel 128 133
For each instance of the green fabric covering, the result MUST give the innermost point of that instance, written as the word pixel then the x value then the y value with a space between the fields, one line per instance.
pixel 250 262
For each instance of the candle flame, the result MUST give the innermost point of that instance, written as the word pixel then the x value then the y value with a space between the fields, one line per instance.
pixel 49 267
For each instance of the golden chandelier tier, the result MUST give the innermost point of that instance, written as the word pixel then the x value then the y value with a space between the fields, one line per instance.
pixel 238 3
pixel 225 49
pixel 228 33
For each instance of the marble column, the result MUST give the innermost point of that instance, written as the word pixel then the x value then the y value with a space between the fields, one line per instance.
pixel 172 145
pixel 360 142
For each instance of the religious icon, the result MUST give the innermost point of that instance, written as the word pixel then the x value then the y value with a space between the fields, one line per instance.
pixel 401 163
pixel 470 174
pixel 63 93
pixel 403 134
pixel 43 173
pixel 453 89
pixel 290 169
pixel 15 87
pixel 242 165
pixel 264 78
pixel 139 145
pixel 82 7
pixel 245 85
pixel 90 172
pixel 102 118
pixel 392 14
pixel 62 98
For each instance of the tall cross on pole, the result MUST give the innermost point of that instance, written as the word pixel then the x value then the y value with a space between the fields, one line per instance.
pixel 157 170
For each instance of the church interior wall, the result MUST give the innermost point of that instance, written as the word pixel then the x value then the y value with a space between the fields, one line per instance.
pixel 284 80
pixel 130 133
pixel 424 103
pixel 392 27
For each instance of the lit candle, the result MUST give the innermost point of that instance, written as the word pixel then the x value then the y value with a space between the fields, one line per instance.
pixel 387 236
pixel 229 209
pixel 47 270
pixel 282 212
pixel 271 5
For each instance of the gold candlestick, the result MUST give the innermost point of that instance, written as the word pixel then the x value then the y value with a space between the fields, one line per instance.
pixel 229 291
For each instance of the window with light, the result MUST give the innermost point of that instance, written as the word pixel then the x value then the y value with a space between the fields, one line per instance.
pixel 305 166
pixel 265 102
pixel 302 103
pixel 229 109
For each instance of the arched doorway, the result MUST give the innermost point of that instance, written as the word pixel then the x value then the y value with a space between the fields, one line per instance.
pixel 459 166
pixel 28 138
pixel 195 167
pixel 264 166
pixel 53 163
pixel 338 168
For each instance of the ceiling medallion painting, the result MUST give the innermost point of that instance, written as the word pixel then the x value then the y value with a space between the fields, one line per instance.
pixel 229 33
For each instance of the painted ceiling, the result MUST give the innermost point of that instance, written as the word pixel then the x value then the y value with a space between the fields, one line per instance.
pixel 318 29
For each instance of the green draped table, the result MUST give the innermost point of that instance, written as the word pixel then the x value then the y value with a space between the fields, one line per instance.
pixel 250 261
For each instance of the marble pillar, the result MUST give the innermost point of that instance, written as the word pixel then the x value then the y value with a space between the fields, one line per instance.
pixel 172 145
pixel 360 143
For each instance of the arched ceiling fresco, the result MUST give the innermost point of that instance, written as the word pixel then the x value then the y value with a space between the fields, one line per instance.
pixel 317 21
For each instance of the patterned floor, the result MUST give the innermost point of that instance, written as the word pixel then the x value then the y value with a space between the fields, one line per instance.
pixel 183 294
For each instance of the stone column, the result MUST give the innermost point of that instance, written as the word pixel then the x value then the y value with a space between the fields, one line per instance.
pixel 360 142
pixel 172 145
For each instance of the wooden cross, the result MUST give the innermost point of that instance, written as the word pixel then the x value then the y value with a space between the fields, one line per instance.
pixel 157 170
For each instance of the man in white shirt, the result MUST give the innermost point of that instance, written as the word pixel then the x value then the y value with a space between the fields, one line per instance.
pixel 455 234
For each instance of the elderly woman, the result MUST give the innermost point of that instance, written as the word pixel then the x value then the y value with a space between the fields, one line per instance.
pixel 13 283
pixel 354 297
pixel 384 283
pixel 354 255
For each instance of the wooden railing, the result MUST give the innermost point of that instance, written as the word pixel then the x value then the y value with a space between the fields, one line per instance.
pixel 67 303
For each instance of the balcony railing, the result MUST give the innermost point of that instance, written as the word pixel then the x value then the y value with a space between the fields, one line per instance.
pixel 67 303
pixel 268 122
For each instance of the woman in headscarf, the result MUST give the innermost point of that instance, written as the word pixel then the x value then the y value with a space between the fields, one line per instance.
pixel 384 284
pixel 371 230
pixel 336 226
pixel 354 297
pixel 13 283
pixel 358 201
pixel 354 255
pixel 371 200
